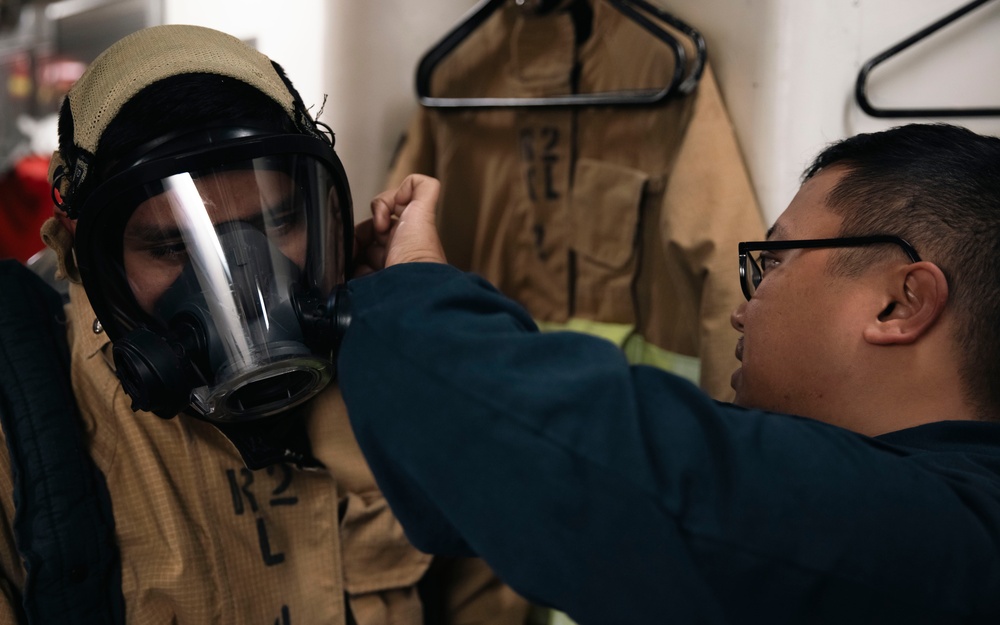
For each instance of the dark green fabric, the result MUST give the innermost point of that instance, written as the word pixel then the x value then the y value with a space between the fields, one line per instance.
pixel 623 494
pixel 63 524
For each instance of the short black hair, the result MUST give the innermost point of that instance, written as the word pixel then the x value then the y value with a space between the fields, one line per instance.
pixel 938 187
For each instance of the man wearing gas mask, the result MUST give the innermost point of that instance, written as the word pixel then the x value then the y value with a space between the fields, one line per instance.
pixel 205 224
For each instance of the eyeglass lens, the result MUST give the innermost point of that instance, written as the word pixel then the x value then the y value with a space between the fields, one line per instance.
pixel 751 274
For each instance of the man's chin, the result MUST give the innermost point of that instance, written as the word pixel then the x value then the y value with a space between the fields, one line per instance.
pixel 742 397
pixel 736 382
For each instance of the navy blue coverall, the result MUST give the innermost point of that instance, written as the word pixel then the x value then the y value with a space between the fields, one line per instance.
pixel 623 494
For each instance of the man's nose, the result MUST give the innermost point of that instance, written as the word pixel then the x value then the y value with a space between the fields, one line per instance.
pixel 736 318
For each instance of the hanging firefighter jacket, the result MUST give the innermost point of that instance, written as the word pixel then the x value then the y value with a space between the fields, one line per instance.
pixel 617 220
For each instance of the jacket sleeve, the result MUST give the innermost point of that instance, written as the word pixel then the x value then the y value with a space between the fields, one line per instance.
pixel 11 570
pixel 624 494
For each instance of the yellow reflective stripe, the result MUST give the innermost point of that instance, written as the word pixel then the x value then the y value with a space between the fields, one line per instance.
pixel 637 349
pixel 558 618
pixel 617 333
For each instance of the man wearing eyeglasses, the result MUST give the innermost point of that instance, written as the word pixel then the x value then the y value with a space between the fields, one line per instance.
pixel 855 480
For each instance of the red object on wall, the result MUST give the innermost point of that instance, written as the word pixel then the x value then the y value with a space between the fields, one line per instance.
pixel 25 204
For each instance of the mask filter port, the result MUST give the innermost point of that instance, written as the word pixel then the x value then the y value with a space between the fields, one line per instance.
pixel 283 389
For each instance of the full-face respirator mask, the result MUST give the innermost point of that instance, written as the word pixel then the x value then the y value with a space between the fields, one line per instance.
pixel 215 263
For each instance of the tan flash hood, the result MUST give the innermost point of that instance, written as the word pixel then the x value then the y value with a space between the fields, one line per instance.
pixel 143 58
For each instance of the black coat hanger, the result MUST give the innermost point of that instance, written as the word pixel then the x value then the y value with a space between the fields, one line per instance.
pixel 636 10
pixel 861 84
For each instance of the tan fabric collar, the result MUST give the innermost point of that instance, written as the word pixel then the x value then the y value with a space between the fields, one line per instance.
pixel 60 241
pixel 87 337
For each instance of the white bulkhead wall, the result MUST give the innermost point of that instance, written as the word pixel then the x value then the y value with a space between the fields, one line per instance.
pixel 787 69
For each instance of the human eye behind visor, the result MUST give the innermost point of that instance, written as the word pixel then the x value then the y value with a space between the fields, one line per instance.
pixel 282 223
pixel 287 219
pixel 157 246
pixel 187 214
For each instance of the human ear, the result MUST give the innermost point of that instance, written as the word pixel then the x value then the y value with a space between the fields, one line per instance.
pixel 915 298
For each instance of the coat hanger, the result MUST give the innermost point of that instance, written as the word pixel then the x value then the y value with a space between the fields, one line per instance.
pixel 861 84
pixel 636 10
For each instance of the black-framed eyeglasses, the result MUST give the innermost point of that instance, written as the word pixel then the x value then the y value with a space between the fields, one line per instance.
pixel 750 270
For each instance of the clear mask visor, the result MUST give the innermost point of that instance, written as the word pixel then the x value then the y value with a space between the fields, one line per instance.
pixel 220 257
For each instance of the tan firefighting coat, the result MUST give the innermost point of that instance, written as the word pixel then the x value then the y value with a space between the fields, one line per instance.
pixel 204 540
